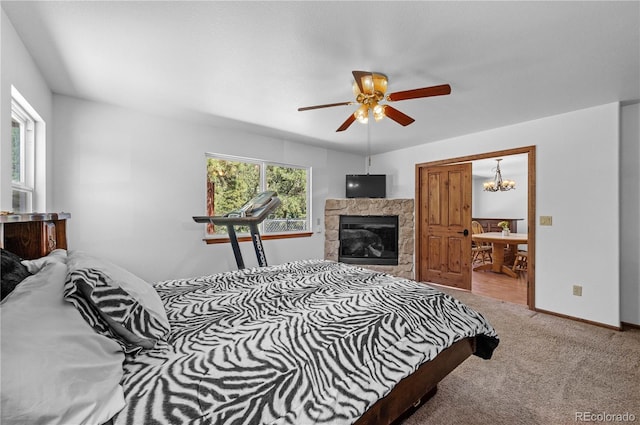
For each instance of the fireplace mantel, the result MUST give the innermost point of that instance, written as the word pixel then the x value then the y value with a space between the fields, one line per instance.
pixel 403 208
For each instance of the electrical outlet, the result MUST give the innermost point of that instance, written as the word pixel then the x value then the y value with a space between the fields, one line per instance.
pixel 546 220
pixel 577 290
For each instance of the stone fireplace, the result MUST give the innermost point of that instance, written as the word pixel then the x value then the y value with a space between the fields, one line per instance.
pixel 365 213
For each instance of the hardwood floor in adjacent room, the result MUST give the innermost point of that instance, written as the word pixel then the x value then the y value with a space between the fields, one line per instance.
pixel 500 286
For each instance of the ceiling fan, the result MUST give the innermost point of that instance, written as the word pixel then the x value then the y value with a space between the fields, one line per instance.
pixel 369 89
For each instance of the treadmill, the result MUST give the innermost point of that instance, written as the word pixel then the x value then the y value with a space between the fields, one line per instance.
pixel 250 214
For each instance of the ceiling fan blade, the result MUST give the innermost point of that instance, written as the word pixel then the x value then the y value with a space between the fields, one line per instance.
pixel 397 116
pixel 423 92
pixel 357 75
pixel 347 123
pixel 328 105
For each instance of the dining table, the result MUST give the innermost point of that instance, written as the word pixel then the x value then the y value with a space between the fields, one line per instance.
pixel 498 243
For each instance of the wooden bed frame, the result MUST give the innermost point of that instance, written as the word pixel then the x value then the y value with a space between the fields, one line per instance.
pixel 418 387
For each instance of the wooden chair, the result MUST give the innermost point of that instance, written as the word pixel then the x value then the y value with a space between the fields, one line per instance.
pixel 520 263
pixel 480 251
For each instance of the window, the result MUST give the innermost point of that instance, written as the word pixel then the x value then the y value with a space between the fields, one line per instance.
pixel 232 181
pixel 28 156
pixel 22 158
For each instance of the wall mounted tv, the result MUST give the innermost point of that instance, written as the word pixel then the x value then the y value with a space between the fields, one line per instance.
pixel 366 186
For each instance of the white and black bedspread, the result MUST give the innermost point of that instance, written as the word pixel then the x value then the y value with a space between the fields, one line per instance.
pixel 308 342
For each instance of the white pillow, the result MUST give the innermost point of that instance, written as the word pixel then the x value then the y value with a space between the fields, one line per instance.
pixel 55 369
pixel 55 256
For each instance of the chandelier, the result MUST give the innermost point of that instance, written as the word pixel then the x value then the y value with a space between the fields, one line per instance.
pixel 498 184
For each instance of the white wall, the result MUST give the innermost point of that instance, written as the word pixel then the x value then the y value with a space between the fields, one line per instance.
pixel 577 184
pixel 133 181
pixel 630 215
pixel 17 68
pixel 510 204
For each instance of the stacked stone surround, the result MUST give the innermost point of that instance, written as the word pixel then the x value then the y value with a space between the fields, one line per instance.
pixel 403 208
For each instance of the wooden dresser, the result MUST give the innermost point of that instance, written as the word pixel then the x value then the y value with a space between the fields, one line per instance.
pixel 33 235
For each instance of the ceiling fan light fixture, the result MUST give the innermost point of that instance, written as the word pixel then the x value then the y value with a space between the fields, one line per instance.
pixel 367 83
pixel 362 114
pixel 378 112
pixel 380 83
pixel 356 89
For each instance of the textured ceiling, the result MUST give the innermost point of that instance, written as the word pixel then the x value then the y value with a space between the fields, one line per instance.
pixel 250 65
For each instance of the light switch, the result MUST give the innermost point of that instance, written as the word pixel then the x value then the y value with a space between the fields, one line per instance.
pixel 545 220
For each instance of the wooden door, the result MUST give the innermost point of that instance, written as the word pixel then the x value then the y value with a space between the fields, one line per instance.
pixel 445 214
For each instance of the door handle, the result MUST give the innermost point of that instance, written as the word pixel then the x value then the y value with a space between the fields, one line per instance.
pixel 465 232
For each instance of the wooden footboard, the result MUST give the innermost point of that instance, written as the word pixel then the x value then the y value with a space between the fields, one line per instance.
pixel 421 384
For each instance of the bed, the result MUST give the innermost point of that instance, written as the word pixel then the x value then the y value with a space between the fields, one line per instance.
pixel 306 342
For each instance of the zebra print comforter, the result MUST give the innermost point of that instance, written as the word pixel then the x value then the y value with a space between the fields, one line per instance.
pixel 308 342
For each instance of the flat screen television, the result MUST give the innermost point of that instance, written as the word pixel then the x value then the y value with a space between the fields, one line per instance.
pixel 366 186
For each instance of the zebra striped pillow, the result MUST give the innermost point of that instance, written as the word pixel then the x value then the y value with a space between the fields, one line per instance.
pixel 116 303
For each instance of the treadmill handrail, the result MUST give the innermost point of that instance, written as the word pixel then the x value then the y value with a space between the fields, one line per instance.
pixel 257 216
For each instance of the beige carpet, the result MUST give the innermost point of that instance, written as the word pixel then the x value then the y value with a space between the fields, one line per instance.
pixel 546 370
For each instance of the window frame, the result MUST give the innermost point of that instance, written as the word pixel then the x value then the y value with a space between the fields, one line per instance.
pixel 26 184
pixel 263 164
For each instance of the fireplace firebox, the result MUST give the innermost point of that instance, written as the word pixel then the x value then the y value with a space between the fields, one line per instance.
pixel 368 239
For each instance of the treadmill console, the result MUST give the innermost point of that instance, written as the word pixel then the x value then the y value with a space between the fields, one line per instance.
pixel 250 214
pixel 253 206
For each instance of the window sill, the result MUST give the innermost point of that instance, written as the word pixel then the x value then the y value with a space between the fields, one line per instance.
pixel 247 238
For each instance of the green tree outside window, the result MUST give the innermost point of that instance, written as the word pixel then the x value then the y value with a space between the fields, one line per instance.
pixel 236 181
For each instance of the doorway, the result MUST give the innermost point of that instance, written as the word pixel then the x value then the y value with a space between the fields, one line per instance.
pixel 423 230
